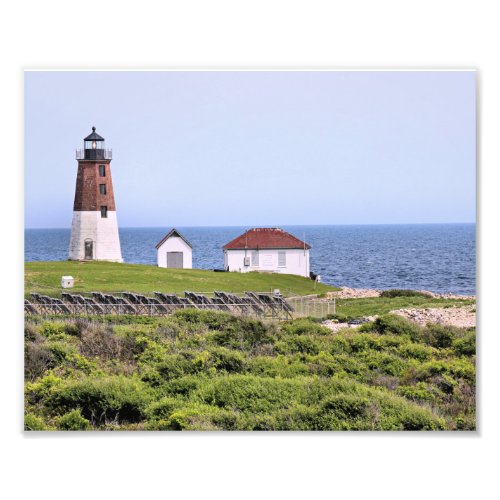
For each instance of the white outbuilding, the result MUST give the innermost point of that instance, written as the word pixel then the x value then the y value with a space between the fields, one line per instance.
pixel 267 249
pixel 175 251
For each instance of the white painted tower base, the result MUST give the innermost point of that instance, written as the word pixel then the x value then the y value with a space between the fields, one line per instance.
pixel 101 231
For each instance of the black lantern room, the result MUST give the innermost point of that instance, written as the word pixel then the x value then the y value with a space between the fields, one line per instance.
pixel 94 147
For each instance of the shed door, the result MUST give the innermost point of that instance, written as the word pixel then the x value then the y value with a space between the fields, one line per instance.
pixel 175 259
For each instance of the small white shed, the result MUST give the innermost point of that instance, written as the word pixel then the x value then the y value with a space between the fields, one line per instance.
pixel 175 251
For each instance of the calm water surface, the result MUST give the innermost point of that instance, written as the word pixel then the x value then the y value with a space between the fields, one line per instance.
pixel 436 257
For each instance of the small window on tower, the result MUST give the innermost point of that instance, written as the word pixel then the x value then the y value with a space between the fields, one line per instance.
pixel 102 170
pixel 104 211
pixel 102 188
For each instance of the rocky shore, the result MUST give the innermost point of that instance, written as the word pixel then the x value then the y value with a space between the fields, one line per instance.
pixel 460 316
pixel 361 293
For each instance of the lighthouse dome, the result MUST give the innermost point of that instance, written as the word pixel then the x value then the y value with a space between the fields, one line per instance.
pixel 94 136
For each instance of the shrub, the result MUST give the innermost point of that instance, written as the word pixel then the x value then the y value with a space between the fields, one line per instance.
pixel 279 366
pixel 441 336
pixel 392 324
pixel 215 320
pixel 227 360
pixel 304 326
pixel 163 408
pixel 113 398
pixel 173 366
pixel 196 416
pixel 383 362
pixel 347 406
pixel 31 332
pixel 100 341
pixel 416 351
pixel 418 392
pixel 249 393
pixel 404 293
pixel 34 423
pixel 465 346
pixel 38 392
pixel 53 329
pixel 73 421
pixel 74 329
pixel 38 358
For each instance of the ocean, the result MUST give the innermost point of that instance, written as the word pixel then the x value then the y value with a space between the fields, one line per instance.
pixel 436 257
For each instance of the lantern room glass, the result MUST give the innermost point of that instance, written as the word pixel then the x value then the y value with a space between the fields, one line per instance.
pixel 94 144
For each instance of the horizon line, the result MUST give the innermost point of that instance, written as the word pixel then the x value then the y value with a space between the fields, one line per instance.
pixel 280 225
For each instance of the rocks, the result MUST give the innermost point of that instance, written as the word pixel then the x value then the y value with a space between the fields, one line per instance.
pixel 353 293
pixel 463 317
pixel 361 293
pixel 335 327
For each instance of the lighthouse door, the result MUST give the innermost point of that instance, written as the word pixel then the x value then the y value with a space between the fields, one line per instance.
pixel 89 249
pixel 175 259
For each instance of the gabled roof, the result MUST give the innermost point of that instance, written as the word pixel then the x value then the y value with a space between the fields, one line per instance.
pixel 265 237
pixel 174 233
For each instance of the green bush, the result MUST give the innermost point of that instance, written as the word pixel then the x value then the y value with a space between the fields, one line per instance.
pixel 34 423
pixel 298 344
pixel 418 392
pixel 196 416
pixel 347 406
pixel 278 366
pixel 249 393
pixel 441 336
pixel 465 346
pixel 226 360
pixel 392 324
pixel 114 398
pixel 38 358
pixel 304 326
pixel 163 408
pixel 73 421
pixel 53 329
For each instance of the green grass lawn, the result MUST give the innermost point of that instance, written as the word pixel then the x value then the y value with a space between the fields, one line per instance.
pixel 45 277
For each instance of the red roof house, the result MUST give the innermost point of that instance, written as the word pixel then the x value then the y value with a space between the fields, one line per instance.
pixel 266 237
pixel 267 249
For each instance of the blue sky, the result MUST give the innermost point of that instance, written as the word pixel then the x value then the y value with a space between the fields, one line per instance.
pixel 257 148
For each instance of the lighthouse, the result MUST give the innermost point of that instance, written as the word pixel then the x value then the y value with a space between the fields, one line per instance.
pixel 94 230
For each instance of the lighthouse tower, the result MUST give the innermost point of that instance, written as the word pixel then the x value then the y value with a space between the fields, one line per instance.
pixel 94 230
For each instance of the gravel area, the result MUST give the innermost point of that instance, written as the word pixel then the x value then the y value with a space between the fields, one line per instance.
pixel 463 317
pixel 353 293
pixel 361 293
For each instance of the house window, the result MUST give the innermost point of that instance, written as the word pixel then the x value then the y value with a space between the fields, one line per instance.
pixel 281 259
pixel 102 188
pixel 102 170
pixel 104 211
pixel 255 258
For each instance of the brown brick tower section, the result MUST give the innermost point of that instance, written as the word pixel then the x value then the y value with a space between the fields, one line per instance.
pixel 93 189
